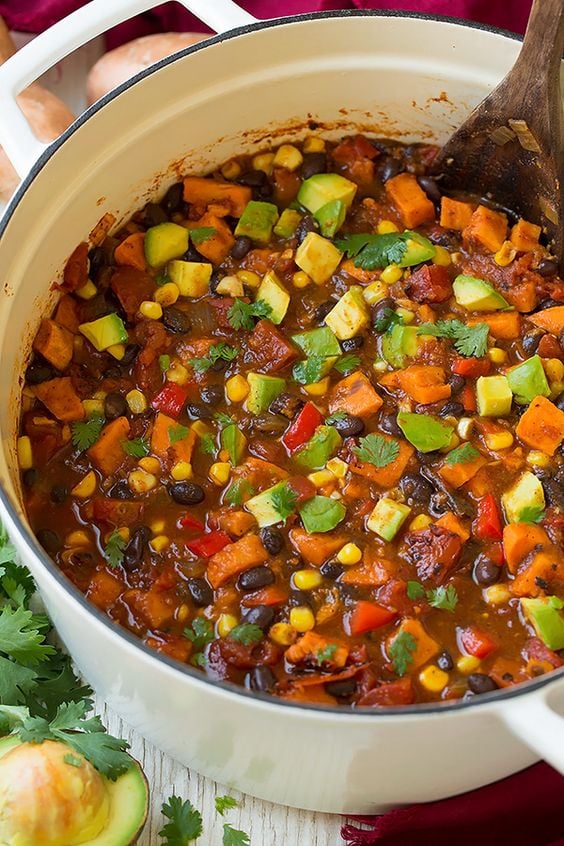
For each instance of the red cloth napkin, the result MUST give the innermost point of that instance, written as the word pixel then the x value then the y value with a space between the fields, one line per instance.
pixel 526 809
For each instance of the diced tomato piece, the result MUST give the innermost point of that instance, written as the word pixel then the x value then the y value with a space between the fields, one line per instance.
pixel 468 398
pixel 116 512
pixel 487 524
pixel 188 522
pixel 391 693
pixel 221 306
pixel 271 595
pixel 430 284
pixel 208 545
pixel 170 399
pixel 549 347
pixel 302 487
pixel 471 367
pixel 476 642
pixel 269 350
pixel 367 616
pixel 75 274
pixel 434 551
pixel 131 287
pixel 358 147
pixel 303 427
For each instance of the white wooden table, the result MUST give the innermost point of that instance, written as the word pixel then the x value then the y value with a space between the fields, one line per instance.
pixel 266 824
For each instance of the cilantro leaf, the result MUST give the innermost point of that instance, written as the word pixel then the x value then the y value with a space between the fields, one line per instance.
pixel 470 341
pixel 218 351
pixel 72 760
pixel 309 371
pixel 114 549
pixel 284 500
pixel 136 448
pixel 241 314
pixel 372 251
pixel 386 320
pixel 177 433
pixel 11 717
pixel 201 632
pixel 246 633
pixel 225 803
pixel 532 514
pixel 347 363
pixel 415 590
pixel 185 822
pixel 16 682
pixel 445 598
pixel 85 433
pixel 336 417
pixel 326 654
pixel 56 683
pixel 462 455
pixel 238 491
pixel 401 652
pixel 198 659
pixel 377 450
pixel 207 444
pixel 20 637
pixel 201 234
pixel 234 837
pixel 223 419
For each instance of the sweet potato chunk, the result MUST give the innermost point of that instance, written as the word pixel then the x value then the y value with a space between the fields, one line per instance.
pixel 424 384
pixel 388 476
pixel 487 228
pixel 425 648
pixel 550 319
pixel 410 200
pixel 356 395
pixel 525 236
pixel 519 539
pixel 455 214
pixel 505 326
pixel 54 343
pixel 201 191
pixel 269 350
pixel 542 426
pixel 235 559
pixel 316 548
pixel 107 453
pixel 60 397
pixel 217 247
pixel 132 286
pixel 131 252
pixel 434 551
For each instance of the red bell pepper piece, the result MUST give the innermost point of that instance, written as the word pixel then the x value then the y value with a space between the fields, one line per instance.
pixel 302 487
pixel 208 545
pixel 468 398
pixel 472 367
pixel 170 399
pixel 475 642
pixel 367 616
pixel 303 427
pixel 487 524
pixel 191 523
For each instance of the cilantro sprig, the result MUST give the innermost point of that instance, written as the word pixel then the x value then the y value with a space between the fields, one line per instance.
pixel 444 598
pixel 377 450
pixel 225 803
pixel 462 455
pixel 326 654
pixel 236 494
pixel 246 633
pixel 201 633
pixel 309 371
pixel 347 363
pixel 386 320
pixel 241 315
pixel 371 251
pixel 532 514
pixel 234 837
pixel 85 433
pixel 137 447
pixel 401 652
pixel 469 341
pixel 202 233
pixel 217 352
pixel 177 433
pixel 284 500
pixel 184 822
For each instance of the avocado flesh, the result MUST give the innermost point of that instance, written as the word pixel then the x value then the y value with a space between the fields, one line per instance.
pixel 419 249
pixel 545 614
pixel 350 315
pixel 164 242
pixel 331 217
pixel 104 332
pixel 426 433
pixel 493 396
pixel 321 342
pixel 273 293
pixel 263 389
pixel 387 518
pixel 321 446
pixel 528 380
pixel 262 507
pixel 129 803
pixel 318 257
pixel 476 294
pixel 192 278
pixel 233 440
pixel 324 188
pixel 257 221
pixel 399 343
pixel 526 494
pixel 287 223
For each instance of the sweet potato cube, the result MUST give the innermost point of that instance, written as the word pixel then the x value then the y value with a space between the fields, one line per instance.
pixel 60 397
pixel 316 548
pixel 234 559
pixel 388 476
pixel 456 475
pixel 519 539
pixel 108 453
pixel 550 319
pixel 202 191
pixel 542 426
pixel 486 227
pixel 455 214
pixel 505 326
pixel 217 247
pixel 356 395
pixel 525 236
pixel 425 648
pixel 54 343
pixel 410 200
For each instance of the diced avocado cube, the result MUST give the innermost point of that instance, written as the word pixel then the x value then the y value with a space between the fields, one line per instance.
pixel 387 518
pixel 233 440
pixel 398 343
pixel 322 514
pixel 164 242
pixel 315 454
pixel 350 315
pixel 318 257
pixel 426 433
pixel 320 342
pixel 545 614
pixel 287 223
pixel 257 221
pixel 191 277
pixel 323 188
pixel 262 506
pixel 476 294
pixel 263 389
pixel 272 291
pixel 104 332
pixel 493 396
pixel 528 380
pixel 419 249
pixel 524 498
pixel 331 217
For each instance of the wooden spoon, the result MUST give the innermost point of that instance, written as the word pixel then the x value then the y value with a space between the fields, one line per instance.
pixel 511 148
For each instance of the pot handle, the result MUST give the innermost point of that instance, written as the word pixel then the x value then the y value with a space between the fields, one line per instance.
pixel 19 143
pixel 538 720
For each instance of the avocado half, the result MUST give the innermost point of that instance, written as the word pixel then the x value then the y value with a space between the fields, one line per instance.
pixel 129 803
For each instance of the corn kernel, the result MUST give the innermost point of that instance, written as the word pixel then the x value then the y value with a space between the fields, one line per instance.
pixel 182 471
pixel 497 355
pixel 420 522
pixel 157 527
pixel 77 538
pixel 136 401
pixel 288 157
pixel 25 454
pixel 406 314
pixel 307 579
pixel 338 467
pixel 391 274
pixel 498 440
pixel 88 291
pixel 230 286
pixel 554 369
pixel 249 278
pixel 141 482
pixel 441 257
pixel 66 433
pixel 318 389
pixel 433 679
pixel 496 594
pixel 263 161
pixel 301 279
pixel 350 553
pixel 312 144
pixel 167 294
pixel 302 619
pixel 464 428
pixel 151 310
pixel 150 464
pixel 536 458
pixel 200 428
pixel 124 533
pixel 160 543
pixel 117 351
pixel 178 374
pixel 467 664
pixel 452 444
pixel 100 395
pixel 505 254
pixel 86 486
pixel 386 227
pixel 182 613
pixel 321 477
pixel 219 473
pixel 93 407
pixel 236 388
pixel 225 623
pixel 556 389
pixel 283 633
pixel 231 169
pixel 375 292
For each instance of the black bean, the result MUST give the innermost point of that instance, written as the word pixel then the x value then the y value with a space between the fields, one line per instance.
pixel 200 592
pixel 388 167
pixel 389 424
pixel 130 354
pixel 262 679
pixel 29 477
pixel 241 247
pixel 154 214
pixel 173 199
pixel 348 593
pixel 554 490
pixel 49 540
pixel 431 188
pixel 39 372
pixel 348 426
pixel 452 409
pixel 548 267
pixel 559 401
pixel 313 163
pixel 187 493
pixel 416 489
pixel 59 493
pixel 176 320
pixel 255 578
pixel 272 540
pixel 331 570
pixel 120 490
pixel 341 689
pixel 306 225
pixel 352 344
pixel 547 304
pixel 212 394
pixel 258 181
pixel 485 571
pixel 198 412
pixel 383 307
pixel 287 405
pixel 115 406
pixel 215 279
pixel 135 549
pixel 456 383
pixel 97 259
pixel 269 424
pixel 530 342
pixel 192 254
pixel 481 683
pixel 298 598
pixel 445 662
pixel 261 616
pixel 323 310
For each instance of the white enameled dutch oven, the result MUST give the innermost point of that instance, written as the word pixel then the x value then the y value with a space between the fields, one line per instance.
pixel 409 76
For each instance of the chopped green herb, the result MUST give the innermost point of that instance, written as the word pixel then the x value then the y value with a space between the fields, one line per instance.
pixel 462 455
pixel 201 234
pixel 136 448
pixel 532 514
pixel 217 352
pixel 164 362
pixel 470 341
pixel 162 279
pixel 372 251
pixel 201 633
pixel 177 433
pixel 246 633
pixel 185 822
pixel 284 500
pixel 85 433
pixel 401 652
pixel 442 597
pixel 415 590
pixel 347 363
pixel 377 450
pixel 241 314
pixel 225 803
pixel 309 371
pixel 326 654
pixel 336 417
pixel 223 419
pixel 208 445
pixel 234 837
pixel 114 549
pixel 237 492
pixel 386 320
pixel 72 760
pixel 199 660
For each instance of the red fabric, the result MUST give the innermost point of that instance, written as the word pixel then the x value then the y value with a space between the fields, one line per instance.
pixel 523 810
